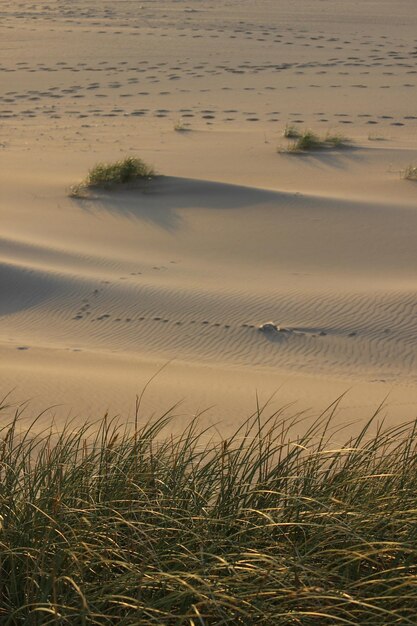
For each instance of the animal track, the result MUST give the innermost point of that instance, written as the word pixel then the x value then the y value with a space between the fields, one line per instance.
pixel 209 324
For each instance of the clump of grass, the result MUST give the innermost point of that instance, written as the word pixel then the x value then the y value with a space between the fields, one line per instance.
pixel 307 141
pixel 138 527
pixel 335 140
pixel 291 132
pixel 410 173
pixel 106 175
pixel 180 126
pixel 124 171
pixel 375 137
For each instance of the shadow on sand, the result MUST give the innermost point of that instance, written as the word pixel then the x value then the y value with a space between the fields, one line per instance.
pixel 159 200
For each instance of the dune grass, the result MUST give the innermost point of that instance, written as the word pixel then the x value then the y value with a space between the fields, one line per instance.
pixel 410 173
pixel 180 126
pixel 376 137
pixel 107 175
pixel 307 141
pixel 291 132
pixel 102 525
pixel 336 140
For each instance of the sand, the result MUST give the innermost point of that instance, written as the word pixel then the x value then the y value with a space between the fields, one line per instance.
pixel 99 293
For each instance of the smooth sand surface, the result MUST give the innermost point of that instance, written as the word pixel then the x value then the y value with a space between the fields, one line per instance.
pixel 100 292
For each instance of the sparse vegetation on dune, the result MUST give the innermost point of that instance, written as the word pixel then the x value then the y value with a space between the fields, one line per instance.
pixel 291 132
pixel 335 140
pixel 263 528
pixel 376 137
pixel 180 126
pixel 106 175
pixel 410 172
pixel 307 141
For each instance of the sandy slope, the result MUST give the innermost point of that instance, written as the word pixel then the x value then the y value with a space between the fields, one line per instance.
pixel 99 293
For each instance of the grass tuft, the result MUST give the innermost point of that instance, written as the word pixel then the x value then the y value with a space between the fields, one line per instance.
pixel 410 173
pixel 335 141
pixel 111 526
pixel 180 126
pixel 124 171
pixel 291 132
pixel 106 175
pixel 308 141
pixel 376 137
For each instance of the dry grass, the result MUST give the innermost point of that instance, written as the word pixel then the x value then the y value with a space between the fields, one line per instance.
pixel 110 526
pixel 410 173
pixel 180 126
pixel 291 132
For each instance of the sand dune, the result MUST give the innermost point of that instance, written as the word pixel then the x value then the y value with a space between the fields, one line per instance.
pixel 101 291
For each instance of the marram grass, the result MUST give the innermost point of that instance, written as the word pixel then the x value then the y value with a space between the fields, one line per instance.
pixel 307 141
pixel 291 132
pixel 106 175
pixel 108 526
pixel 410 172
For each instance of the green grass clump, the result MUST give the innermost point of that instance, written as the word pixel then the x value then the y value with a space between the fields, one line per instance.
pixel 106 175
pixel 140 527
pixel 410 172
pixel 308 141
pixel 124 171
pixel 335 141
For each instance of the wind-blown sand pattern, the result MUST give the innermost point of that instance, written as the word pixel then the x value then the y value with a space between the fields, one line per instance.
pixel 99 292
